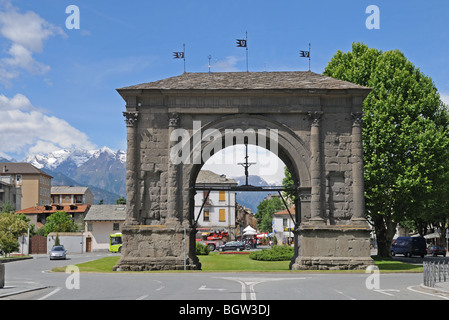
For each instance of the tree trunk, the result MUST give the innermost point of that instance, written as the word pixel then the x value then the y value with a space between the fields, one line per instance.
pixel 385 230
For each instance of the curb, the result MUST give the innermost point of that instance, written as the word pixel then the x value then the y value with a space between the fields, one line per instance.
pixel 12 293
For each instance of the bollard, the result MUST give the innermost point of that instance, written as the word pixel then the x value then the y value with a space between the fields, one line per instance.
pixel 2 275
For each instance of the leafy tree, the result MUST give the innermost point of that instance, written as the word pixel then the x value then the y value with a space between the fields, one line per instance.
pixel 7 207
pixel 120 200
pixel 265 211
pixel 288 182
pixel 11 227
pixel 405 139
pixel 60 221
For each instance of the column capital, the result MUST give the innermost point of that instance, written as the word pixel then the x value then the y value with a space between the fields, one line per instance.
pixel 173 119
pixel 357 119
pixel 131 118
pixel 316 117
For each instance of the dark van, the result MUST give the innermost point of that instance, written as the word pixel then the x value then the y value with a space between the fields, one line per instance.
pixel 409 246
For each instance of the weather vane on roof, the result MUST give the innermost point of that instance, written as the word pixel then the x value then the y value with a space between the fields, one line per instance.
pixel 181 55
pixel 243 43
pixel 305 54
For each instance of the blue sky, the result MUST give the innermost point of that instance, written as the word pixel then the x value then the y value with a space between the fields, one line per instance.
pixel 57 85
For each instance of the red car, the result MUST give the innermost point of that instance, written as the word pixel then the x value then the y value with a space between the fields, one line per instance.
pixel 436 250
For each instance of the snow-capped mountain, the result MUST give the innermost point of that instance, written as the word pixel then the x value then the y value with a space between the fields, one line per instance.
pixel 71 157
pixel 102 168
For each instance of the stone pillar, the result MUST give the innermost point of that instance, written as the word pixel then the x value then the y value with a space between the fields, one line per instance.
pixel 131 168
pixel 172 175
pixel 358 190
pixel 316 212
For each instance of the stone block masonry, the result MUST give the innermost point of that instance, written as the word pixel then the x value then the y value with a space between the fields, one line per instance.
pixel 318 124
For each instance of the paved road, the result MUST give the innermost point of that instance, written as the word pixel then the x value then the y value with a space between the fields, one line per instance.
pixel 206 286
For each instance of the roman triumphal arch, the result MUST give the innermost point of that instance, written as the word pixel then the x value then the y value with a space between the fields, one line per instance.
pixel 312 122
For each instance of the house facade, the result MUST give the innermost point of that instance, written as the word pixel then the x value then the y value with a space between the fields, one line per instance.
pixel 283 226
pixel 100 222
pixel 64 195
pixel 38 215
pixel 219 207
pixel 9 193
pixel 35 183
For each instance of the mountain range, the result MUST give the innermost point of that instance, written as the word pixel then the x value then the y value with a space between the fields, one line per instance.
pixel 102 170
pixel 251 199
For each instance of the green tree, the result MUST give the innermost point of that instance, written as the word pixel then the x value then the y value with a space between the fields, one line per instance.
pixel 265 211
pixel 405 140
pixel 60 221
pixel 7 207
pixel 120 200
pixel 288 182
pixel 12 226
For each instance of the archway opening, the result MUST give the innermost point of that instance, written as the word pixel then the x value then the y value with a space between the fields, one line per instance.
pixel 239 191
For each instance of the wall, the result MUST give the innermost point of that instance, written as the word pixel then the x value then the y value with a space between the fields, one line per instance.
pixel 73 242
pixel 100 233
pixel 215 205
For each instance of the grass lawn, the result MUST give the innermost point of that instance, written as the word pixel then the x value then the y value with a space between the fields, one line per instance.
pixel 241 263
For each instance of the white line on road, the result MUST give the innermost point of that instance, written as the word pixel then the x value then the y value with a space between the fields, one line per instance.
pixel 50 294
pixel 251 282
pixel 430 294
pixel 345 295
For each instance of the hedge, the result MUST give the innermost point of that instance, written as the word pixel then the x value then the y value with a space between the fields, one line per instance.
pixel 201 249
pixel 276 253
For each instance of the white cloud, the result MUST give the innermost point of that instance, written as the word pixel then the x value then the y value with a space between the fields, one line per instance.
pixel 226 65
pixel 266 165
pixel 26 33
pixel 25 129
pixel 445 98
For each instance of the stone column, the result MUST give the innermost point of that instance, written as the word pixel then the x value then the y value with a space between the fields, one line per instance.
pixel 172 174
pixel 358 189
pixel 316 169
pixel 131 168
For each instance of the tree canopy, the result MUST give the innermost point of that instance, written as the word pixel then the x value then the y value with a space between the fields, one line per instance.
pixel 12 226
pixel 265 211
pixel 60 221
pixel 405 140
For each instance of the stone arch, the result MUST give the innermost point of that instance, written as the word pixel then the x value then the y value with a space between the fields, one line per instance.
pixel 318 121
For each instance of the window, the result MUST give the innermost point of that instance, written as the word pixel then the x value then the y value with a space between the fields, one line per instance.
pixel 206 215
pixel 221 196
pixel 116 226
pixel 19 178
pixel 90 227
pixel 222 215
pixel 206 198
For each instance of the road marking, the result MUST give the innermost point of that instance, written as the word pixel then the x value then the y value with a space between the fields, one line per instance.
pixel 384 291
pixel 50 294
pixel 251 282
pixel 345 295
pixel 203 287
pixel 142 297
pixel 430 294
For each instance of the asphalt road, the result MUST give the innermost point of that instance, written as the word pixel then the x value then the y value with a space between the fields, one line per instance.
pixel 200 287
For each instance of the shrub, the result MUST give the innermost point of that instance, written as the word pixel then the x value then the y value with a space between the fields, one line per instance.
pixel 201 249
pixel 276 253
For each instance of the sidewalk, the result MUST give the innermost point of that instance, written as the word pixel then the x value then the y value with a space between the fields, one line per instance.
pixel 10 289
pixel 7 291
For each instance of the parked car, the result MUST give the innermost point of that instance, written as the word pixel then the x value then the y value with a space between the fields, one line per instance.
pixel 409 246
pixel 436 250
pixel 232 245
pixel 58 252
